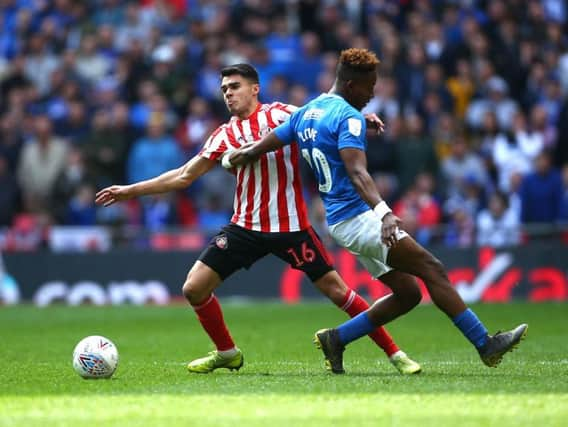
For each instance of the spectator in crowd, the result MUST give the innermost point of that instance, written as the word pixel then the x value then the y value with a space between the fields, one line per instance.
pixel 75 126
pixel 542 127
pixel 158 212
pixel 461 87
pixel 515 151
pixel 9 202
pixel 414 152
pixel 564 201
pixel 418 209
pixel 498 225
pixel 443 135
pixel 164 72
pixel 411 79
pixel 14 76
pixel 541 192
pixel 11 140
pixel 153 154
pixel 283 46
pixel 42 160
pixel 105 148
pixel 310 61
pixel 460 230
pixel 193 131
pixel 470 198
pixel 497 100
pixel 91 65
pixel 213 215
pixel 130 27
pixel 39 63
pixel 81 210
pixel 68 197
pixel 385 102
pixel 463 163
pixel 277 90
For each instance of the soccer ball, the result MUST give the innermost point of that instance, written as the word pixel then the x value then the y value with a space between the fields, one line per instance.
pixel 95 357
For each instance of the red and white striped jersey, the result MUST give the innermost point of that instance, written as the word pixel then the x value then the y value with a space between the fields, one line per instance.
pixel 268 196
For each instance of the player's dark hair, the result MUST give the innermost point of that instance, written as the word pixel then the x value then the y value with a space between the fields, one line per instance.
pixel 354 63
pixel 245 70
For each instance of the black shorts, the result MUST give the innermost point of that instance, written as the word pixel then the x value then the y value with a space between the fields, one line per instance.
pixel 236 247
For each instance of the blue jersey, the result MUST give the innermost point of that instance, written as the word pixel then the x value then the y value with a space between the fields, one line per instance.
pixel 322 127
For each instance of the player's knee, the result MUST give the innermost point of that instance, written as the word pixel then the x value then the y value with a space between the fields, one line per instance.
pixel 434 267
pixel 337 293
pixel 411 294
pixel 192 291
pixel 187 290
pixel 414 295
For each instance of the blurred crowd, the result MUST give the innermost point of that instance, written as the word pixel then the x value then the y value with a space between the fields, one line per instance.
pixel 473 94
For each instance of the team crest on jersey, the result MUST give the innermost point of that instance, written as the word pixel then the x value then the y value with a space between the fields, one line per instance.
pixel 222 242
pixel 354 126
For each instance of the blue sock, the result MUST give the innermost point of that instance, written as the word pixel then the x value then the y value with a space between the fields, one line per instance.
pixel 357 327
pixel 469 324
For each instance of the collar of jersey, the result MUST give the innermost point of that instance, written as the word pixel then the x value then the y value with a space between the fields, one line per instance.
pixel 333 95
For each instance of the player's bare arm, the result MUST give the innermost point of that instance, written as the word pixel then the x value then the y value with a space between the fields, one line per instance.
pixel 251 153
pixel 355 162
pixel 175 179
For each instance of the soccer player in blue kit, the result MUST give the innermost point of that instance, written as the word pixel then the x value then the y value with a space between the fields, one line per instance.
pixel 330 131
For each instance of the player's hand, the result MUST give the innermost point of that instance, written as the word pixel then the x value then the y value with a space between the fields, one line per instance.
pixel 241 156
pixel 389 229
pixel 110 195
pixel 374 123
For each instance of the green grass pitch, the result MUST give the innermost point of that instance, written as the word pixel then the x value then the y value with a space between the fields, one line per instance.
pixel 283 382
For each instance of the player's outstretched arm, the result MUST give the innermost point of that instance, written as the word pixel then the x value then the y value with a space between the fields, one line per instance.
pixel 175 179
pixel 355 162
pixel 250 153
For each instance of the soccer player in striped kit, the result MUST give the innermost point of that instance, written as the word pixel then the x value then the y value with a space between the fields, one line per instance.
pixel 270 217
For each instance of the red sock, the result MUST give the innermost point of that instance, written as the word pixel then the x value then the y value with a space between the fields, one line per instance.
pixel 211 317
pixel 353 305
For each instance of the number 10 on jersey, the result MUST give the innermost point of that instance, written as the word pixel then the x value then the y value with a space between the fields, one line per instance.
pixel 318 162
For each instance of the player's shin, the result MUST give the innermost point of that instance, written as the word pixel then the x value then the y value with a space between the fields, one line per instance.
pixel 471 327
pixel 210 316
pixel 353 304
pixel 355 328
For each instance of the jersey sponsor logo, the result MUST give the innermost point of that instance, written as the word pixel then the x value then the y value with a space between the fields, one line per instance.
pixel 222 242
pixel 355 126
pixel 313 114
